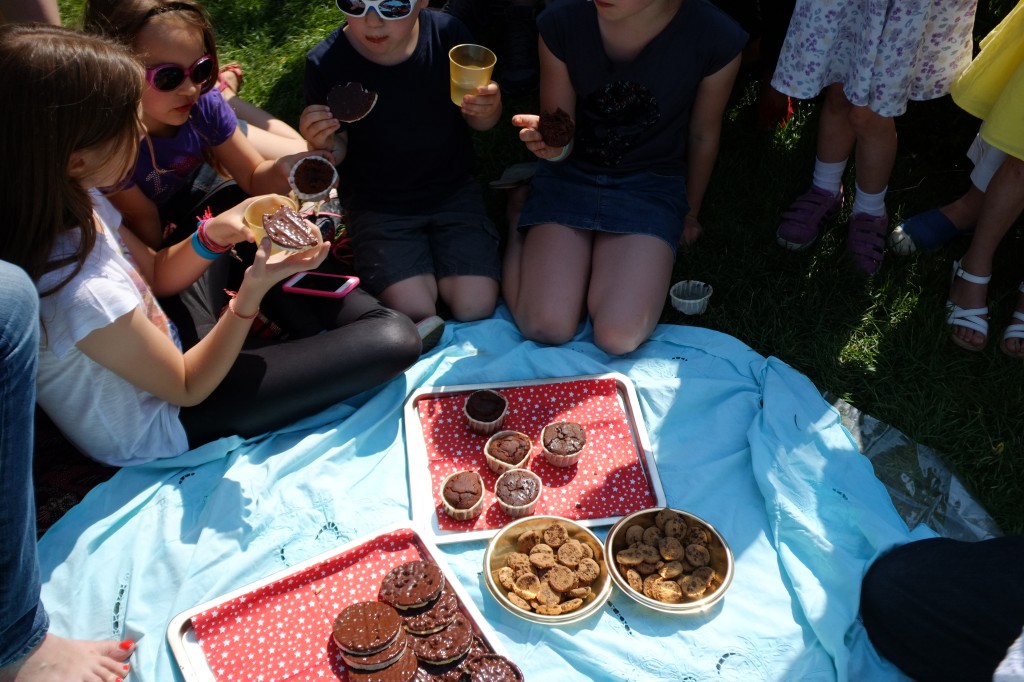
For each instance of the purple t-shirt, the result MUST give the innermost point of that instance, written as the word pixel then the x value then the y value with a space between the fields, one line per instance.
pixel 210 123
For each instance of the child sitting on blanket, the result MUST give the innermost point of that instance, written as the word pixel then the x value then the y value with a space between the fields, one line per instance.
pixel 113 373
pixel 416 216
pixel 187 119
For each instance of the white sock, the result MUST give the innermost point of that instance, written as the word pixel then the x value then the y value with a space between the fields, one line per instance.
pixel 872 204
pixel 828 176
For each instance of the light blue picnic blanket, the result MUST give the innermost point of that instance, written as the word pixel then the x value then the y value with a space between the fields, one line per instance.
pixel 743 441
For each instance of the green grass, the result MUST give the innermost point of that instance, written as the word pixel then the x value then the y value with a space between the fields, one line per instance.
pixel 879 343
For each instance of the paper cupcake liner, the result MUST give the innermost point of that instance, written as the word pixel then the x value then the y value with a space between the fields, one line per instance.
pixel 517 512
pixel 463 514
pixel 499 466
pixel 482 428
pixel 319 196
pixel 690 297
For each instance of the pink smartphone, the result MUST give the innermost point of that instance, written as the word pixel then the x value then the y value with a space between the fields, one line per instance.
pixel 321 284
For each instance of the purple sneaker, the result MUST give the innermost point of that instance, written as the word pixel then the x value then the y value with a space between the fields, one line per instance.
pixel 865 241
pixel 801 224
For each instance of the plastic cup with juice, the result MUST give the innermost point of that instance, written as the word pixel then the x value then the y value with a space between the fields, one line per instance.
pixel 471 67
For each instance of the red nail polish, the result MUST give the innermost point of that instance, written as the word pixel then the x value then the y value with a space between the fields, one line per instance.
pixel 125 667
pixel 118 679
pixel 126 645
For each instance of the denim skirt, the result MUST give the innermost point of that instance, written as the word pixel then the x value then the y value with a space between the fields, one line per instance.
pixel 637 203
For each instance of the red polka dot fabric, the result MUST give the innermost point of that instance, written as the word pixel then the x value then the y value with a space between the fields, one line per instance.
pixel 607 481
pixel 282 631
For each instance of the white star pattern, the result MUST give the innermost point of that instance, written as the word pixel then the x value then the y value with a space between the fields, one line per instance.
pixel 237 633
pixel 578 492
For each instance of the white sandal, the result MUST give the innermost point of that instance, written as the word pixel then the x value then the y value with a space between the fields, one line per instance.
pixel 974 319
pixel 1015 330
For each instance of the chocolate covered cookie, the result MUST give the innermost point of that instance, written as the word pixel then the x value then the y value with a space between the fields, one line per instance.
pixel 446 645
pixel 366 628
pixel 433 617
pixel 404 670
pixel 412 585
pixel 287 229
pixel 350 102
pixel 492 668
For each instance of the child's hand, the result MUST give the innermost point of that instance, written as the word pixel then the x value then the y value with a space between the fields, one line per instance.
pixel 285 164
pixel 484 104
pixel 692 230
pixel 531 136
pixel 318 125
pixel 228 227
pixel 267 270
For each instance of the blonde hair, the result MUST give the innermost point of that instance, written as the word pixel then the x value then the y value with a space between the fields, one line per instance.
pixel 65 92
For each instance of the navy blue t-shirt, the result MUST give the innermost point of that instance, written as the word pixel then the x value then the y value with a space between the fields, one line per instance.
pixel 414 149
pixel 635 116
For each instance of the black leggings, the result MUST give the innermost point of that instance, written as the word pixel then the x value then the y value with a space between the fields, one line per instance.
pixel 943 609
pixel 336 348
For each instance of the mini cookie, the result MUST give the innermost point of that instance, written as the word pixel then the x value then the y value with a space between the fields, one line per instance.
pixel 634 533
pixel 570 553
pixel 673 569
pixel 447 645
pixel 434 617
pixel 697 536
pixel 588 551
pixel 555 535
pixel 630 557
pixel 692 586
pixel 527 541
pixel 649 567
pixel 676 528
pixel 555 610
pixel 635 580
pixel 542 547
pixel 506 576
pixel 547 596
pixel 588 570
pixel 668 591
pixel 571 605
pixel 705 573
pixel 579 592
pixel 698 555
pixel 518 601
pixel 649 552
pixel 662 517
pixel 518 561
pixel 652 535
pixel 649 584
pixel 543 560
pixel 561 578
pixel 527 586
pixel 412 585
pixel 670 549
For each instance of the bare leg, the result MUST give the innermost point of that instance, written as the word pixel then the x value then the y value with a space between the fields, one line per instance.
pixel 71 660
pixel 272 137
pixel 835 131
pixel 630 279
pixel 470 297
pixel 964 211
pixel 554 275
pixel 513 246
pixel 876 148
pixel 1003 203
pixel 415 296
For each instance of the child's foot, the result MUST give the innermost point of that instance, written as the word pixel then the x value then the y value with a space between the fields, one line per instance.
pixel 431 330
pixel 72 660
pixel 802 223
pixel 928 231
pixel 865 241
pixel 967 308
pixel 1013 338
pixel 229 80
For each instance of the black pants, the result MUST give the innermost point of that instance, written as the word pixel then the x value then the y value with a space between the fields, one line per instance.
pixel 336 349
pixel 943 609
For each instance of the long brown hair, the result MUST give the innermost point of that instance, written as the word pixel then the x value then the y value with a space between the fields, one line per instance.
pixel 64 92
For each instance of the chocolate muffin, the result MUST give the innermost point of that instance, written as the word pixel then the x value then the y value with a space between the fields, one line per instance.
pixel 563 443
pixel 312 178
pixel 350 102
pixel 462 494
pixel 287 229
pixel 507 450
pixel 556 128
pixel 518 492
pixel 485 411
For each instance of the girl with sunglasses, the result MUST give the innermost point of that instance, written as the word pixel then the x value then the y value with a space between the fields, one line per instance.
pixel 187 120
pixel 114 373
pixel 416 215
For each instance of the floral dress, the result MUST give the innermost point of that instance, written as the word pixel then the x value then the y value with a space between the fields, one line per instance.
pixel 884 52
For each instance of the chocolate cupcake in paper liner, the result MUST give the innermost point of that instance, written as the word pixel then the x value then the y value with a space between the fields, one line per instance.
pixel 312 178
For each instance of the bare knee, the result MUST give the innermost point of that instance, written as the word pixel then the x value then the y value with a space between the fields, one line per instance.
pixel 1015 167
pixel 618 339
pixel 867 123
pixel 836 101
pixel 552 328
pixel 469 297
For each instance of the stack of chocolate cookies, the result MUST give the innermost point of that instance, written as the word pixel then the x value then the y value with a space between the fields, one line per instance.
pixel 417 631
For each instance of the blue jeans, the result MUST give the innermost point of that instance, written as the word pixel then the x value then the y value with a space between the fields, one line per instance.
pixel 23 620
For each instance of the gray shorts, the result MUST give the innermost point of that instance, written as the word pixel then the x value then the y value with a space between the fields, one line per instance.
pixel 453 237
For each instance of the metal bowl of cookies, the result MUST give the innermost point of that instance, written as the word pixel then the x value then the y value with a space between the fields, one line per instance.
pixel 669 560
pixel 547 569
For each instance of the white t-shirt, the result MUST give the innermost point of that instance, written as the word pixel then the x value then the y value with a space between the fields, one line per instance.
pixel 1012 667
pixel 105 416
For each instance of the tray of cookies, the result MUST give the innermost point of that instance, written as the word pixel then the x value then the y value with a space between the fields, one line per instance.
pixel 310 621
pixel 482 455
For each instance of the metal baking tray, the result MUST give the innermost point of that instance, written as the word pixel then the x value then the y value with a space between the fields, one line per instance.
pixel 421 484
pixel 192 659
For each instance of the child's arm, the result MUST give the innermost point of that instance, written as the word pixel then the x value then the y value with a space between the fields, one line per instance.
pixel 483 109
pixel 133 348
pixel 251 171
pixel 705 130
pixel 140 214
pixel 318 125
pixel 556 92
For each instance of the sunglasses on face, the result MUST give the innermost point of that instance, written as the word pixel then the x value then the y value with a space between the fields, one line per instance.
pixel 167 77
pixel 386 9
